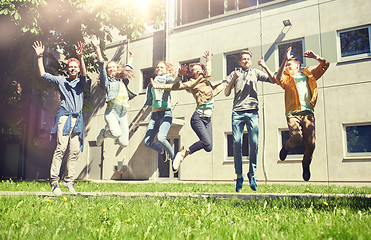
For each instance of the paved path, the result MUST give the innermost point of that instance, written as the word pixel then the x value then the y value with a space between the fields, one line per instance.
pixel 245 196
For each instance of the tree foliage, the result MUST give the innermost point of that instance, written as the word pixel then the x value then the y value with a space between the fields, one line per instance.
pixel 59 24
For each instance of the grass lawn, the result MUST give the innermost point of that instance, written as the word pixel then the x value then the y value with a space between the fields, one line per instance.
pixel 79 217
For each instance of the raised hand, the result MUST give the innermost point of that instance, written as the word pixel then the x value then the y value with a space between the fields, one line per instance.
pixel 39 48
pixel 262 63
pixel 236 73
pixel 95 41
pixel 79 48
pixel 183 70
pixel 310 54
pixel 208 56
pixel 288 54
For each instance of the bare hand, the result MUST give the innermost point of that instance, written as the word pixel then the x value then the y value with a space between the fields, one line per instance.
pixel 310 54
pixel 288 54
pixel 79 49
pixel 237 73
pixel 183 70
pixel 208 56
pixel 95 41
pixel 39 48
pixel 261 63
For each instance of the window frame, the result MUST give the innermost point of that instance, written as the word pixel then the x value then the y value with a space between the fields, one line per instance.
pixel 230 159
pixel 225 66
pixel 290 157
pixel 143 88
pixel 353 57
pixel 277 55
pixel 353 156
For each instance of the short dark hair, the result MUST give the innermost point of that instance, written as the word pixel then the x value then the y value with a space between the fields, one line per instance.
pixel 245 52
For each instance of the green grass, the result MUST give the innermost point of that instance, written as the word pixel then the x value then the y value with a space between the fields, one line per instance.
pixel 8 185
pixel 79 217
pixel 70 217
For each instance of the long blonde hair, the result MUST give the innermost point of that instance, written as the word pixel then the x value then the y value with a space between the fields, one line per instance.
pixel 169 67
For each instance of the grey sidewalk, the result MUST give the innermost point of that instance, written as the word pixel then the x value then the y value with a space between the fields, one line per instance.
pixel 244 196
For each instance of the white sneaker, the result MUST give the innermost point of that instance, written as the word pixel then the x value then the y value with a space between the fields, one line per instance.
pixel 56 190
pixel 69 186
pixel 100 137
pixel 178 160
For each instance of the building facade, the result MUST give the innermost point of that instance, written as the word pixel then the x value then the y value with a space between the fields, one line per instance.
pixel 338 30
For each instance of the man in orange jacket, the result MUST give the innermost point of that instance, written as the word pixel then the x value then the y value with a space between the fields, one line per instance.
pixel 301 94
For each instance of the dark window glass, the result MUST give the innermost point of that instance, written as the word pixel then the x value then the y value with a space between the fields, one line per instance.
pixel 355 42
pixel 358 139
pixel 296 50
pixel 232 62
pixel 216 7
pixel 147 74
pixel 245 145
pixel 193 10
pixel 231 5
pixel 299 149
pixel 246 3
pixel 265 1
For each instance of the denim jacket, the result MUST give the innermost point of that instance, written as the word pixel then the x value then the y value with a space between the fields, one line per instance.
pixel 111 85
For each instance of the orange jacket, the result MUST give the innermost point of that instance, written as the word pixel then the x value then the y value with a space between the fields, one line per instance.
pixel 287 82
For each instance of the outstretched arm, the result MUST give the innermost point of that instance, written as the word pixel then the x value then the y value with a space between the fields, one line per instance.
pixel 131 58
pixel 79 51
pixel 311 54
pixel 208 56
pixel 287 57
pixel 39 49
pixel 96 41
pixel 262 63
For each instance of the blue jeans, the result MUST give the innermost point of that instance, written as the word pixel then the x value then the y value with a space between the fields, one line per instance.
pixel 159 124
pixel 117 123
pixel 203 128
pixel 239 120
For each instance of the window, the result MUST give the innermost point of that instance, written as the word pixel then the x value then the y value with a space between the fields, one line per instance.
pixel 245 145
pixel 354 43
pixel 358 139
pixel 232 61
pixel 188 11
pixel 297 49
pixel 216 7
pixel 298 150
pixel 147 75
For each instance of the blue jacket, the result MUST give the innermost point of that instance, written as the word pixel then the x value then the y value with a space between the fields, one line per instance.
pixel 112 85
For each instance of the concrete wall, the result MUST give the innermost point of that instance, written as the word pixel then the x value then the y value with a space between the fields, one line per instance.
pixel 344 93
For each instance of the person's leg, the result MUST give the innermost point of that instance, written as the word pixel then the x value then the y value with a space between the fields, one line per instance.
pixel 152 130
pixel 309 143
pixel 73 155
pixel 296 135
pixel 252 124
pixel 165 124
pixel 112 118
pixel 238 125
pixel 124 125
pixel 202 127
pixel 62 143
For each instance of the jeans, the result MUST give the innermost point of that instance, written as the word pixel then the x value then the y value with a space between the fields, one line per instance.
pixel 159 124
pixel 117 123
pixel 302 127
pixel 202 126
pixel 251 120
pixel 71 142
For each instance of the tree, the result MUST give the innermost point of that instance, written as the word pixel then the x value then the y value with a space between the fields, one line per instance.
pixel 59 24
